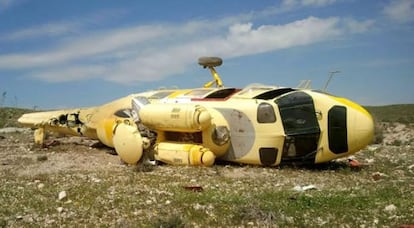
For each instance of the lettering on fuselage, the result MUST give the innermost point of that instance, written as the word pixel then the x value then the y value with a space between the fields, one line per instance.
pixel 175 113
pixel 178 161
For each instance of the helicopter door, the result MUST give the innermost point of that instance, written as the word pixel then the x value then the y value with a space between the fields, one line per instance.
pixel 301 126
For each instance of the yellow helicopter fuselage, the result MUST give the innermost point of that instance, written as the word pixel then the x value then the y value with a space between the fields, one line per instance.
pixel 261 125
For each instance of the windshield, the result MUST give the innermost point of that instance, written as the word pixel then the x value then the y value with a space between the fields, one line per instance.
pixel 298 114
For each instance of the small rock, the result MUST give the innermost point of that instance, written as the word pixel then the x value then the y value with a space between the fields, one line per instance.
pixel 195 188
pixel 198 206
pixel 138 212
pixel 369 161
pixel 373 147
pixel 299 188
pixel 50 221
pixel 62 195
pixel 167 202
pixel 120 222
pixel 13 130
pixel 42 158
pixel 28 219
pixel 96 180
pixel 377 176
pixel 40 186
pixel 390 208
pixel 289 219
pixel 60 209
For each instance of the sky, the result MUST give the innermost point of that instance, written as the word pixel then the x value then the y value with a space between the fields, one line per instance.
pixel 63 54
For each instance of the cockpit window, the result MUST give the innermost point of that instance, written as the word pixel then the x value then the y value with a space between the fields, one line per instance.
pixel 337 131
pixel 273 93
pixel 265 113
pixel 123 113
pixel 222 93
pixel 161 94
pixel 298 114
pixel 198 93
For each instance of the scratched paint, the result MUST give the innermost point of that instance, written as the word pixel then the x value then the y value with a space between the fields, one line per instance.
pixel 242 134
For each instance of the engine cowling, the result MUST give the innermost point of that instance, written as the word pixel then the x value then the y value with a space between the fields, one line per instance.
pixel 105 131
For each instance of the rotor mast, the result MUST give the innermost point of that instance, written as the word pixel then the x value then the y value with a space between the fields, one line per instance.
pixel 210 63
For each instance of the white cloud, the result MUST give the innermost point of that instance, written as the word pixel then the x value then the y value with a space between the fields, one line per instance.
pixel 240 40
pixel 355 26
pixel 243 39
pixel 317 2
pixel 99 43
pixel 153 52
pixel 41 31
pixel 306 3
pixel 401 11
pixel 54 29
pixel 71 73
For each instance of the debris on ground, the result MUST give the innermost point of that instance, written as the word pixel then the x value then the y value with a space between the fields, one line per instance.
pixel 304 188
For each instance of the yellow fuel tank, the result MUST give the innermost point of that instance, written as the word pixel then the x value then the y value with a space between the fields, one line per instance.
pixel 175 117
pixel 184 154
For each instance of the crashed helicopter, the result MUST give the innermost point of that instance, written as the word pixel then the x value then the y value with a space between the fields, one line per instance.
pixel 259 124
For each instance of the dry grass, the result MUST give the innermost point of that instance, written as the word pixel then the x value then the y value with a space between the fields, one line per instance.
pixel 103 191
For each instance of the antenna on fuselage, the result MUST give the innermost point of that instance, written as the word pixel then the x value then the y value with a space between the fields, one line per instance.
pixel 212 62
pixel 331 74
pixel 305 84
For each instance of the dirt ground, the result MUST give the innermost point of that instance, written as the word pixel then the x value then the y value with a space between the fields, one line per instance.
pixel 20 155
pixel 73 161
pixel 61 154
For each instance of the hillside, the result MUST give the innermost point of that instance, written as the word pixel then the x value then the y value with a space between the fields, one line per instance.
pixel 402 113
pixel 9 116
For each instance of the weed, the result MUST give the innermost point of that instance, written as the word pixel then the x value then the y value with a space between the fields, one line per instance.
pixel 172 221
pixel 103 192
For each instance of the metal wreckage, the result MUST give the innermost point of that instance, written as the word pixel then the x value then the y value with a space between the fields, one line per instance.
pixel 259 124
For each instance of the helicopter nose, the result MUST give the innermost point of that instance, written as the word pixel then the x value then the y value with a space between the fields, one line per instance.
pixel 361 127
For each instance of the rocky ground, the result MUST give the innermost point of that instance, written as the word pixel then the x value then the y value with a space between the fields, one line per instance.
pixel 76 182
pixel 397 133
